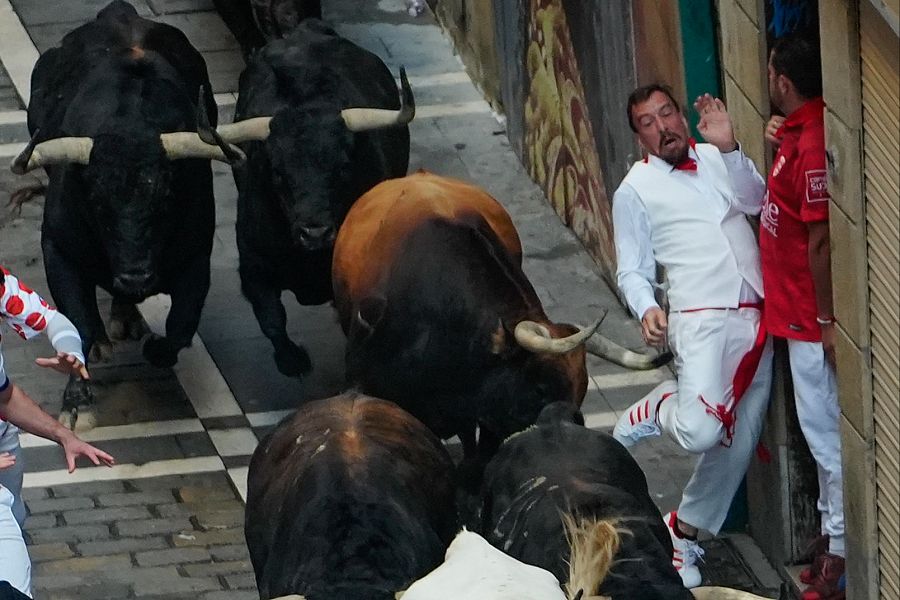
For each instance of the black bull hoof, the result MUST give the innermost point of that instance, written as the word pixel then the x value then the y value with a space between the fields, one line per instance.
pixel 161 352
pixel 78 406
pixel 292 360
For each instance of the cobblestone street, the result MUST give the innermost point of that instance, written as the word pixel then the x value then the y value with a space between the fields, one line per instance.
pixel 167 521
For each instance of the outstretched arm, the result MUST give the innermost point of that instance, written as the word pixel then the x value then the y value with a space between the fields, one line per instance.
pixel 18 408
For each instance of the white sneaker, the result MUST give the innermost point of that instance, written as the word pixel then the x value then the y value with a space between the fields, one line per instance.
pixel 639 421
pixel 687 553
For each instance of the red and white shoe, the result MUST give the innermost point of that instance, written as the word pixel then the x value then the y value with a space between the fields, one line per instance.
pixel 686 553
pixel 639 421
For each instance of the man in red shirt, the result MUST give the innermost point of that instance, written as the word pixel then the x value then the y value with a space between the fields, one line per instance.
pixel 796 267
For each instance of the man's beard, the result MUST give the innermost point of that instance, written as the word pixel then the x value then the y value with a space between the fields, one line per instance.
pixel 674 152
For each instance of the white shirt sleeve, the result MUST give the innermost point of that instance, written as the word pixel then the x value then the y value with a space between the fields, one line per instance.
pixel 634 251
pixel 748 185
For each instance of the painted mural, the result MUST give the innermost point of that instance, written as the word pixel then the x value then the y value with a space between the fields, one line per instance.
pixel 559 146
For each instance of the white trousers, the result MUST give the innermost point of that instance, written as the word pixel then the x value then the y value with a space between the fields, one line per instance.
pixel 708 347
pixel 11 479
pixel 15 566
pixel 815 395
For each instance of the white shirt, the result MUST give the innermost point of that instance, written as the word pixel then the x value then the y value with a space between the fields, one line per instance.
pixel 636 270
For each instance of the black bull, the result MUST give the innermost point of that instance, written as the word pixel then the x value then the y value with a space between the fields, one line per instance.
pixel 121 213
pixel 351 498
pixel 320 122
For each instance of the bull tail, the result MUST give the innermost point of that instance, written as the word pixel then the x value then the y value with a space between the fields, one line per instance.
pixel 593 544
pixel 604 347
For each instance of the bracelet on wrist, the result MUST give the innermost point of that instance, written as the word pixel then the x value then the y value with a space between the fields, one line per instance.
pixel 826 321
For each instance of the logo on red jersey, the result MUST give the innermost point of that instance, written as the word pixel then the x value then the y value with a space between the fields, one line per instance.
pixel 779 164
pixel 817 185
pixel 768 218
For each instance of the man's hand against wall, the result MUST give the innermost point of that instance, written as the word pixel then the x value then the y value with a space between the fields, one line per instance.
pixel 654 326
pixel 715 123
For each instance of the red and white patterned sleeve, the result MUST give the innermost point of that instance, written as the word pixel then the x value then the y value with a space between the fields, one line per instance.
pixel 23 309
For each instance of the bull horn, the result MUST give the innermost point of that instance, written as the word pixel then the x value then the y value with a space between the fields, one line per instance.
pixel 291 597
pixel 255 129
pixel 52 152
pixel 364 119
pixel 535 337
pixel 187 144
pixel 722 593
pixel 604 347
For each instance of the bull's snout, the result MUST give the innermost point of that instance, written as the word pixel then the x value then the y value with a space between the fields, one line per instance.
pixel 136 283
pixel 315 238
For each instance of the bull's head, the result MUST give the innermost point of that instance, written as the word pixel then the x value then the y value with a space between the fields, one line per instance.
pixel 127 177
pixel 536 364
pixel 310 157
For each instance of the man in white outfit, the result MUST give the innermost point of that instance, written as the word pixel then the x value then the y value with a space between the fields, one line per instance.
pixel 684 206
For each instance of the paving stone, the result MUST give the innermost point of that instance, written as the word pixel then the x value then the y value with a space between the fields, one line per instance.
pixel 242 581
pixel 136 498
pixel 168 7
pixel 41 12
pixel 55 582
pixel 54 551
pixel 88 489
pixel 72 534
pixel 58 504
pixel 171 482
pixel 232 595
pixel 195 494
pixel 205 30
pixel 40 521
pixel 232 552
pixel 174 585
pixel 83 565
pixel 171 556
pixel 121 546
pixel 99 591
pixel 35 494
pixel 188 509
pixel 218 568
pixel 220 519
pixel 104 515
pixel 152 527
pixel 208 538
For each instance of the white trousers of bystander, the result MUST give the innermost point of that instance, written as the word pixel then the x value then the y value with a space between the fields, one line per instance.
pixel 15 566
pixel 815 395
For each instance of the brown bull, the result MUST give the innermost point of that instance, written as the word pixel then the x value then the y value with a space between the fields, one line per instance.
pixel 440 317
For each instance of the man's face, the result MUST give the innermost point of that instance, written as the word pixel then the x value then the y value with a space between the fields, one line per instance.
pixel 776 86
pixel 661 128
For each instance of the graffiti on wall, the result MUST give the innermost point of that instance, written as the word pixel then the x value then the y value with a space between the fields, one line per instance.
pixel 559 146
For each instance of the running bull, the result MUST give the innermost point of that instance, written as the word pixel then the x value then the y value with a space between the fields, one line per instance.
pixel 574 502
pixel 440 317
pixel 311 152
pixel 129 204
pixel 351 498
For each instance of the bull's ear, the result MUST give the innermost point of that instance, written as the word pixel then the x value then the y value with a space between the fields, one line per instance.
pixel 369 314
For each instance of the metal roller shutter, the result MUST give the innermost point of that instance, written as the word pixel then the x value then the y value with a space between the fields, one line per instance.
pixel 880 56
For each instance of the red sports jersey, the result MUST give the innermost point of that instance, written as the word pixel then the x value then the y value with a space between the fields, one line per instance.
pixel 797 194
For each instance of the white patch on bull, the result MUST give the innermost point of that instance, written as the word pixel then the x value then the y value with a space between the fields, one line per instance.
pixel 518 433
pixel 319 449
pixel 299 439
pixel 528 488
